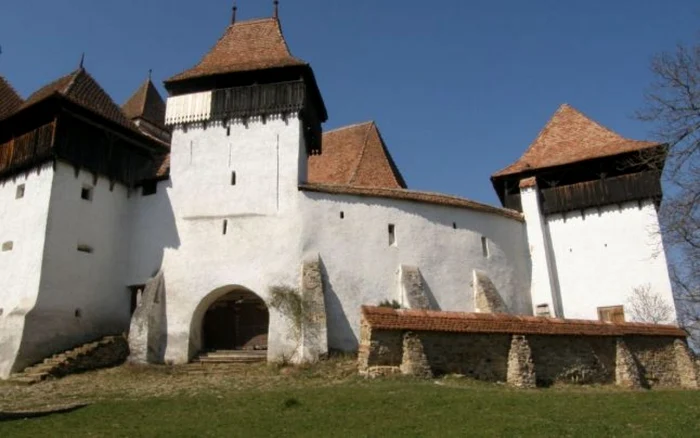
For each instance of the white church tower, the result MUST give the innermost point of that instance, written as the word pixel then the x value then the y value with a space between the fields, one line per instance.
pixel 245 120
pixel 591 208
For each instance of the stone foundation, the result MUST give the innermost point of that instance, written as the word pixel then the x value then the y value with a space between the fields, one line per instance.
pixel 524 351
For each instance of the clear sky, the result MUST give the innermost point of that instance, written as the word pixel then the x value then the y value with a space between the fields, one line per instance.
pixel 459 88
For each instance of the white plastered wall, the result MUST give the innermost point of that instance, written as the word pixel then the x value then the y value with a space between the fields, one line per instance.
pixel 82 295
pixel 22 222
pixel 362 268
pixel 603 254
pixel 261 247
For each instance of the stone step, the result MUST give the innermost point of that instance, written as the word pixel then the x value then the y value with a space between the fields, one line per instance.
pixel 218 360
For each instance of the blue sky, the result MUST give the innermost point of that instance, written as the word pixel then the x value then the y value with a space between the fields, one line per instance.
pixel 458 88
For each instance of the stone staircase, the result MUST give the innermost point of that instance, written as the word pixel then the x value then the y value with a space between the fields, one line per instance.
pixel 232 356
pixel 107 352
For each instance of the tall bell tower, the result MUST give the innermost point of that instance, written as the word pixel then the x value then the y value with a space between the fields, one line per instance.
pixel 244 120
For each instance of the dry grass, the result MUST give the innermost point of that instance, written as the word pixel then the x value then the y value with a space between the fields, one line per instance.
pixel 130 382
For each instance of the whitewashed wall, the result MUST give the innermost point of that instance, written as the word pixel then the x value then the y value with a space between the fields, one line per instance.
pixel 22 221
pixel 82 296
pixel 152 230
pixel 602 255
pixel 362 268
pixel 262 245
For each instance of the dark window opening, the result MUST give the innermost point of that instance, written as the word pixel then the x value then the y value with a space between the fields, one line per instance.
pixel 86 193
pixel 149 188
pixel 454 225
pixel 78 313
pixel 87 249
pixel 7 246
pixel 485 247
pixel 233 178
pixel 392 235
pixel 225 230
pixel 20 192
pixel 342 215
pixel 228 131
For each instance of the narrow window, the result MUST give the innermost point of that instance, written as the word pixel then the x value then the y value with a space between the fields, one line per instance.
pixel 454 225
pixel 543 310
pixel 342 215
pixel 87 249
pixel 225 230
pixel 149 188
pixel 233 178
pixel 20 192
pixel 485 246
pixel 392 235
pixel 228 131
pixel 78 313
pixel 86 193
pixel 7 246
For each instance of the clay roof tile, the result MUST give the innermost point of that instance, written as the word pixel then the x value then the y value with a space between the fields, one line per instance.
pixel 569 137
pixel 245 46
pixel 355 155
pixel 459 322
pixel 146 103
pixel 10 100
pixel 81 88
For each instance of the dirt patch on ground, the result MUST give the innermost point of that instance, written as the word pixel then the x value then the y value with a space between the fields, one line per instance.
pixel 137 382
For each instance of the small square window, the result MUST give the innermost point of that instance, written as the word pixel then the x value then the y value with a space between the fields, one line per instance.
pixel 7 246
pixel 20 192
pixel 86 193
pixel 543 310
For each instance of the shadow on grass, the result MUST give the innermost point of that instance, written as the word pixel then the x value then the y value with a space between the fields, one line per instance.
pixel 25 415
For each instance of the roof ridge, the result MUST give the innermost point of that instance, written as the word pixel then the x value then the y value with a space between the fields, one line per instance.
pixel 411 195
pixel 395 172
pixel 354 125
pixel 70 84
pixel 362 154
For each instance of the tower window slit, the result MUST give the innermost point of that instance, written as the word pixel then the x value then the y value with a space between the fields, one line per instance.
pixel 392 235
pixel 485 247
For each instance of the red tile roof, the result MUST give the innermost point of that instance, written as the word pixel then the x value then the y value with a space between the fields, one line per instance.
pixel 355 155
pixel 10 101
pixel 146 103
pixel 455 322
pixel 82 89
pixel 245 46
pixel 570 137
pixel 413 196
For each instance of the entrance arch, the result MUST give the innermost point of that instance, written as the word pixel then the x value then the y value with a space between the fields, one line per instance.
pixel 232 318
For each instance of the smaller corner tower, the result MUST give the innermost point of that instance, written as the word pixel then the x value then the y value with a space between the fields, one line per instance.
pixel 590 199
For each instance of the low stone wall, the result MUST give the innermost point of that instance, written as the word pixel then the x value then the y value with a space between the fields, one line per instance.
pixel 523 351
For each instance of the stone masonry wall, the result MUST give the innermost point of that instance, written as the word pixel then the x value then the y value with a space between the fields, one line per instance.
pixel 656 360
pixel 572 359
pixel 526 361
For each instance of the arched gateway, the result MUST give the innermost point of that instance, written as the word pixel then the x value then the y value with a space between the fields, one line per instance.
pixel 231 318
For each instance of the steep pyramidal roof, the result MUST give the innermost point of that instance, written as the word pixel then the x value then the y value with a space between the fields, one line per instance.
pixel 82 89
pixel 10 101
pixel 356 156
pixel 245 46
pixel 570 137
pixel 146 103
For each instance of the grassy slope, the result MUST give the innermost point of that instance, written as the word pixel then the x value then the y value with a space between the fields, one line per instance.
pixel 382 408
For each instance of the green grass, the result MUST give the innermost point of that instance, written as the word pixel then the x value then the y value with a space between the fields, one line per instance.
pixel 395 407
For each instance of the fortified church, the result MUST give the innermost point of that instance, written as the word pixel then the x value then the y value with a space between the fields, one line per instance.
pixel 176 221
